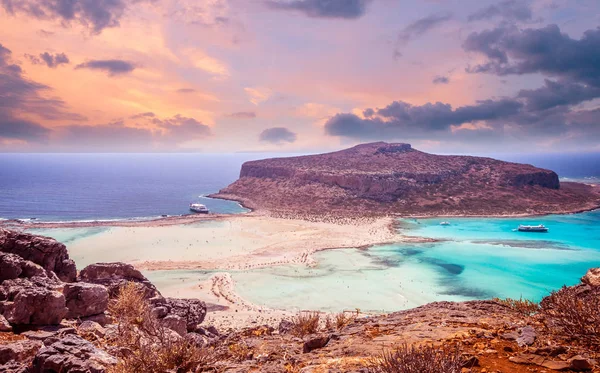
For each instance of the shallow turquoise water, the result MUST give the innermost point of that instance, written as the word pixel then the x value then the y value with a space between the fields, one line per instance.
pixel 475 259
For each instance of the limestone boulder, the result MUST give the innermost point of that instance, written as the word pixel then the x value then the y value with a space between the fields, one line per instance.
pixel 44 251
pixel 114 275
pixel 192 311
pixel 31 302
pixel 19 352
pixel 592 277
pixel 72 354
pixel 83 299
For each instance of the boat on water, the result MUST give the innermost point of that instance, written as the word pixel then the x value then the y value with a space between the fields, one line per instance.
pixel 445 223
pixel 532 228
pixel 198 208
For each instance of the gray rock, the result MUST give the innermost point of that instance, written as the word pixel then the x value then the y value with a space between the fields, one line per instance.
pixel 44 333
pixel 115 275
pixel 10 266
pixel 92 328
pixel 193 311
pixel 72 354
pixel 160 312
pixel 23 302
pixel 316 343
pixel 20 351
pixel 175 323
pixel 285 326
pixel 526 336
pixel 85 299
pixel 4 325
pixel 45 251
pixel 592 277
pixel 103 318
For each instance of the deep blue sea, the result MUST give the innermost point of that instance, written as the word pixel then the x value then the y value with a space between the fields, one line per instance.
pixel 112 186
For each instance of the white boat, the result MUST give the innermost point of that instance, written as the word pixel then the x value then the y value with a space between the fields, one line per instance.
pixel 532 228
pixel 199 208
pixel 445 223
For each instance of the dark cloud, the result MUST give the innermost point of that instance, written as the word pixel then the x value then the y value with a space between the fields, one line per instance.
pixel 418 28
pixel 93 14
pixel 411 121
pixel 441 80
pixel 243 115
pixel 19 129
pixel 48 59
pixel 112 67
pixel 323 8
pixel 277 135
pixel 19 96
pixel 180 129
pixel 511 51
pixel 510 10
pixel 121 136
pixel 422 26
pixel 143 115
pixel 559 93
pixel 186 90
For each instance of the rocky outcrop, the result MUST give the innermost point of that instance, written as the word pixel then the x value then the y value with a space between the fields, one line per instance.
pixel 192 311
pixel 85 299
pixel 115 275
pixel 44 251
pixel 19 351
pixel 383 178
pixel 32 301
pixel 72 354
pixel 592 277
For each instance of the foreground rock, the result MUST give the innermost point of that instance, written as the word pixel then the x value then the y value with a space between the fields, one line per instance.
pixel 32 301
pixel 72 354
pixel 85 299
pixel 115 275
pixel 47 252
pixel 396 179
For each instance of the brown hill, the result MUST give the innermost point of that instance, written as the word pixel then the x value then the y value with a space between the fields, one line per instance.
pixel 381 178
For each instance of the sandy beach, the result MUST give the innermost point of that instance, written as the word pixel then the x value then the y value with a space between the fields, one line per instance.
pixel 215 243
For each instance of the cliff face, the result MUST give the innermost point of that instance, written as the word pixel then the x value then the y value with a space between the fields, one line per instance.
pixel 397 178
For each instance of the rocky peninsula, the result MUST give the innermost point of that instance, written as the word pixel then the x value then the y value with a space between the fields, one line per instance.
pixel 379 178
pixel 110 318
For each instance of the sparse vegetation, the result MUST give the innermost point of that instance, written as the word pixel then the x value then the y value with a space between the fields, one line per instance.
pixel 305 323
pixel 522 306
pixel 574 315
pixel 144 345
pixel 418 359
pixel 339 320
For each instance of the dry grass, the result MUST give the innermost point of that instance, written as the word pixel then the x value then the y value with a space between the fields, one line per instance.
pixel 570 314
pixel 339 321
pixel 305 323
pixel 418 359
pixel 522 306
pixel 144 345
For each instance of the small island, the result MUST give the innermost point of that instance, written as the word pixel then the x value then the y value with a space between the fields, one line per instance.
pixel 380 179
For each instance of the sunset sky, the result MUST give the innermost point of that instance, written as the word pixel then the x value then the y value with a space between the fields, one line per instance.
pixel 299 75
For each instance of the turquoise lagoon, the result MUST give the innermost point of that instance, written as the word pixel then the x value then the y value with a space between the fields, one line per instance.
pixel 477 258
pixel 472 259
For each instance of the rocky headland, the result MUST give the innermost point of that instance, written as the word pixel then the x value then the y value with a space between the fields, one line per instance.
pixel 53 319
pixel 395 179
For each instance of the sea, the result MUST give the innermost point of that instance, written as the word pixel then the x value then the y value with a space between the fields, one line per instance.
pixel 472 258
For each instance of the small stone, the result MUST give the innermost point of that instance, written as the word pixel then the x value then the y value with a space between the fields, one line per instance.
pixel 175 323
pixel 526 336
pixel 315 343
pixel 4 325
pixel 579 363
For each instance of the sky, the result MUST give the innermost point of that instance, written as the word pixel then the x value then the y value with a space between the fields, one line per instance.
pixel 299 75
